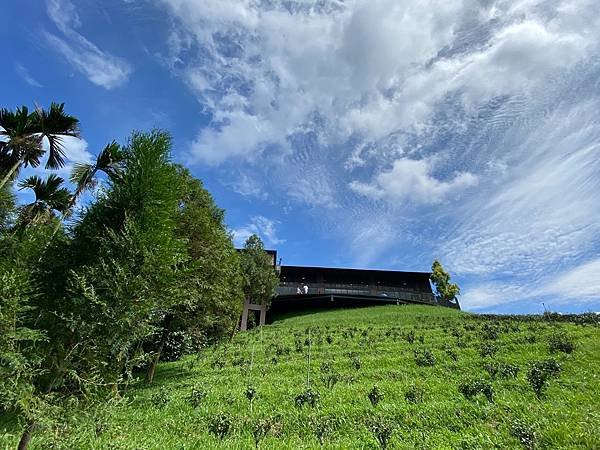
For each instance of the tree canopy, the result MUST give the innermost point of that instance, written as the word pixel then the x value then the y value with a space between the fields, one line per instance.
pixel 445 291
pixel 84 309
pixel 258 271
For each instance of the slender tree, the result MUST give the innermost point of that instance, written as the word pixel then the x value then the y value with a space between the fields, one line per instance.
pixel 445 291
pixel 259 278
pixel 22 134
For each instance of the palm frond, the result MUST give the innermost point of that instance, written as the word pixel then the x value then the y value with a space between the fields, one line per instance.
pixel 17 123
pixel 32 182
pixel 60 200
pixel 53 124
pixel 82 175
pixel 44 190
pixel 110 158
pixel 56 152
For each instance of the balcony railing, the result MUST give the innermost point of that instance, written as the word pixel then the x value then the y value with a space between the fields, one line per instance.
pixel 391 292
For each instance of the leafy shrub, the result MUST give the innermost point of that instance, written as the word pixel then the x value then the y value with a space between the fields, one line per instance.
pixel 220 425
pixel 424 357
pixel 451 353
pixel 489 331
pixel 524 433
pixel 375 395
pixel 330 379
pixel 488 349
pixel 382 429
pixel 161 397
pixel 502 370
pixel 178 344
pixel 509 370
pixel 472 388
pixel 280 350
pixel 560 342
pixel 261 428
pixel 196 396
pixel 540 372
pixel 324 427
pixel 251 395
pixel 414 394
pixel 308 397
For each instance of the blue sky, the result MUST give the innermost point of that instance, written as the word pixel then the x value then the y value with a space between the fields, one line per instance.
pixel 375 133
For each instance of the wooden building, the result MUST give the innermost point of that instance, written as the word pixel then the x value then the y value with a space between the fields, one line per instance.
pixel 306 288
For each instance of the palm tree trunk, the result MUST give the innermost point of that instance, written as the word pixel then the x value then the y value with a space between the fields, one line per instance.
pixel 10 173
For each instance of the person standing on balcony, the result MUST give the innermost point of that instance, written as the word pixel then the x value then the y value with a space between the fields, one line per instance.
pixel 305 289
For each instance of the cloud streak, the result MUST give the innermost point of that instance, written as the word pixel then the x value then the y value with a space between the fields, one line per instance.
pixel 99 66
pixel 24 74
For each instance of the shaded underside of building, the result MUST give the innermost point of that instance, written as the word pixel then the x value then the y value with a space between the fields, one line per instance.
pixel 307 288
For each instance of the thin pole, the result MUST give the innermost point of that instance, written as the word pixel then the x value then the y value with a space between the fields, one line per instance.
pixel 308 371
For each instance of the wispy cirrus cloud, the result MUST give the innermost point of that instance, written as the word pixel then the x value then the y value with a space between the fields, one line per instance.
pixel 261 226
pixel 412 130
pixel 24 74
pixel 99 66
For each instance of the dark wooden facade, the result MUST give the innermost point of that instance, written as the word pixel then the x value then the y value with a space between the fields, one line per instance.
pixel 307 287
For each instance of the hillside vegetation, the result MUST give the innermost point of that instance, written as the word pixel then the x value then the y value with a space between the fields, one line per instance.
pixel 395 376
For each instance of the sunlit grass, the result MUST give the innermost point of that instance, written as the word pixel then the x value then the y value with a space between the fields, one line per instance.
pixel 351 351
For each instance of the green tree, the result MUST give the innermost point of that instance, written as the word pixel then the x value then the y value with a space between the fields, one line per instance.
pixel 122 290
pixel 445 291
pixel 24 344
pixel 7 208
pixel 213 276
pixel 23 133
pixel 259 276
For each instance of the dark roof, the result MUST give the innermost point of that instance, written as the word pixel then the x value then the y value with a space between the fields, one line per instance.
pixel 341 270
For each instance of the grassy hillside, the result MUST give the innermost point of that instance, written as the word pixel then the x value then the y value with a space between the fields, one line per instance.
pixel 419 365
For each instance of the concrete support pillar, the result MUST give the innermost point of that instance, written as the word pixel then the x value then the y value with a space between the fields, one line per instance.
pixel 244 324
pixel 253 307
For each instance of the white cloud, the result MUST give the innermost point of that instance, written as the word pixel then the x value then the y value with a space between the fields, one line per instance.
pixel 491 294
pixel 247 186
pixel 478 118
pixel 376 67
pixel 24 74
pixel 263 227
pixel 581 283
pixel 412 180
pixel 100 67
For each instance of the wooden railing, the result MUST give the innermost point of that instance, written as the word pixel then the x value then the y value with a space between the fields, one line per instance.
pixel 393 292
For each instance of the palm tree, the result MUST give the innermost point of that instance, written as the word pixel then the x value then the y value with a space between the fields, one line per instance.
pixel 49 197
pixel 108 161
pixel 83 175
pixel 22 133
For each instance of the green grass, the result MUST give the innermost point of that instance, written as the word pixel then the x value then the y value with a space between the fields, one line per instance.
pixel 162 416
